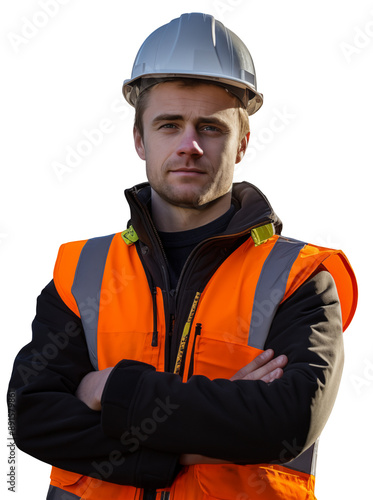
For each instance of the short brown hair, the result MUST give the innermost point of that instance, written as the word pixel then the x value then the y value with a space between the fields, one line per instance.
pixel 143 98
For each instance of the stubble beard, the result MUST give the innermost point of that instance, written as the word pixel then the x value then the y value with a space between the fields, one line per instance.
pixel 198 199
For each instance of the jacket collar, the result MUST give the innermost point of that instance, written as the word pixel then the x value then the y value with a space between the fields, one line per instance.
pixel 252 210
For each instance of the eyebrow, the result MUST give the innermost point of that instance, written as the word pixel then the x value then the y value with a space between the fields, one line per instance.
pixel 167 117
pixel 202 119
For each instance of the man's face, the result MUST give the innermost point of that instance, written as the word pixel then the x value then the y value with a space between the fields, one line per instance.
pixel 190 143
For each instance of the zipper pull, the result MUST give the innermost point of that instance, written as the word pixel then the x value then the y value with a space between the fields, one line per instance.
pixel 197 331
pixel 155 325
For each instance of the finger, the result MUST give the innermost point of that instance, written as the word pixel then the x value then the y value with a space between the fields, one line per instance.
pixel 263 371
pixel 254 365
pixel 262 359
pixel 276 374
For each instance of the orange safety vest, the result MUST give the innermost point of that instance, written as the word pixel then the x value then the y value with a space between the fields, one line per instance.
pixel 245 291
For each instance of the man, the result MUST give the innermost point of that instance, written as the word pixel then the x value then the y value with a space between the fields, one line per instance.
pixel 197 354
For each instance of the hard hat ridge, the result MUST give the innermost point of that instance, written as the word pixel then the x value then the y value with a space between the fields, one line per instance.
pixel 195 46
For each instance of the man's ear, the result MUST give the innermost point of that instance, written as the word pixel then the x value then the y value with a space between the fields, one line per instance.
pixel 139 143
pixel 242 148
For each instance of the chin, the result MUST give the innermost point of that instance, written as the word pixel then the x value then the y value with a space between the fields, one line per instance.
pixel 186 202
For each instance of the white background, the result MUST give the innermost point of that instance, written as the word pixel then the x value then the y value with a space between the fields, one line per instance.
pixel 62 67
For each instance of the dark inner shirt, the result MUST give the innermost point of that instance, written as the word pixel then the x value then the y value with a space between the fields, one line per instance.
pixel 178 245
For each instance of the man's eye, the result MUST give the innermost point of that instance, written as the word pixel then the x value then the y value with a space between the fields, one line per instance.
pixel 210 128
pixel 168 125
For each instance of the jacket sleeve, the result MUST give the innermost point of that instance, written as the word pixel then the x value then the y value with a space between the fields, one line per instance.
pixel 53 425
pixel 242 421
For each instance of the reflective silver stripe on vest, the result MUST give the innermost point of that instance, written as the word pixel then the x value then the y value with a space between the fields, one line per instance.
pixel 269 293
pixel 271 287
pixel 55 493
pixel 86 288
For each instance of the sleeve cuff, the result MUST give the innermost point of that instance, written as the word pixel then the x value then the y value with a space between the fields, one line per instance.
pixel 118 394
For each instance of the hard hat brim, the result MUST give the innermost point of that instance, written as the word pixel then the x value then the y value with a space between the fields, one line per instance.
pixel 248 95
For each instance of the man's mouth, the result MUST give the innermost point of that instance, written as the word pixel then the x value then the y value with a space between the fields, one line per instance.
pixel 187 171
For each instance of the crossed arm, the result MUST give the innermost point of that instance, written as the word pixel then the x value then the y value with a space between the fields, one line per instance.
pixel 264 367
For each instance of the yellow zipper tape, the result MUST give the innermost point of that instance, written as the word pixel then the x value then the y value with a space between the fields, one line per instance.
pixel 185 334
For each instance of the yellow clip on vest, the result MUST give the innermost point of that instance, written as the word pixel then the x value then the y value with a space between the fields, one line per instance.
pixel 262 233
pixel 129 236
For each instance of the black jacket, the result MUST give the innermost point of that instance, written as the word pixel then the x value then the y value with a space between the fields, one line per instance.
pixel 241 421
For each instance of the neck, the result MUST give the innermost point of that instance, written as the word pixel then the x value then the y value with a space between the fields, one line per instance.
pixel 173 218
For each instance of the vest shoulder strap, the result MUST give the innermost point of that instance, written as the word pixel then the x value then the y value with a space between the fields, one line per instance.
pixel 86 288
pixel 78 276
pixel 289 264
pixel 64 272
pixel 271 287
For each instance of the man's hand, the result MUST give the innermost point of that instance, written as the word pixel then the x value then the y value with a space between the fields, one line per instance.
pixel 91 388
pixel 264 368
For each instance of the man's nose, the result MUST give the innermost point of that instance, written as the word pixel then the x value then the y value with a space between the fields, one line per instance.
pixel 189 144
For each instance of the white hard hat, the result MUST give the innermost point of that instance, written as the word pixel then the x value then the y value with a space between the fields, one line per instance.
pixel 195 46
